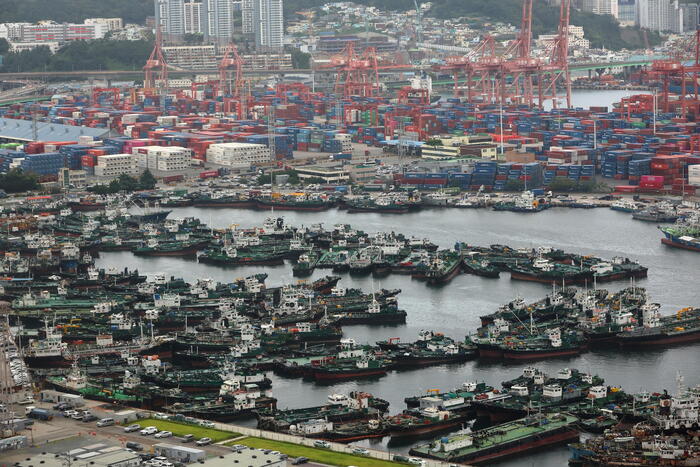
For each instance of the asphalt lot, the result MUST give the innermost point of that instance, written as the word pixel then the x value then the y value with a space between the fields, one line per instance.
pixel 62 434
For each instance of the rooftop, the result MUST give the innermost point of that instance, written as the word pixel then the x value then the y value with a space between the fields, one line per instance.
pixel 21 130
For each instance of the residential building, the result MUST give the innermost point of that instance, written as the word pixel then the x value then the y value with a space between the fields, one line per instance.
pixel 12 32
pixel 195 18
pixel 601 7
pixel 271 61
pixel 220 19
pixel 268 24
pixel 661 15
pixel 577 41
pixel 72 178
pixel 170 16
pixel 113 24
pixel 247 16
pixel 191 57
pixel 21 46
pixel 238 155
pixel 49 31
pixel 114 165
pixel 691 16
pixel 627 12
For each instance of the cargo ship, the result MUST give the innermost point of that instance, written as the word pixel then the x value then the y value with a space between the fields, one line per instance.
pixel 480 268
pixel 418 422
pixel 685 234
pixel 430 349
pixel 177 248
pixel 500 441
pixel 295 203
pixel 363 367
pixel 526 202
pixel 374 314
pixel 381 205
pixel 231 256
pixel 552 344
pixel 444 267
pixel 658 331
pixel 306 264
pixel 219 200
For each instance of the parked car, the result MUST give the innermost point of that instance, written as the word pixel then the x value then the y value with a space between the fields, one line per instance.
pixel 322 444
pixel 360 452
pixel 300 460
pixel 89 418
pixel 187 438
pixel 131 428
pixel 149 430
pixel 203 441
pixel 134 446
pixel 164 434
pixel 105 422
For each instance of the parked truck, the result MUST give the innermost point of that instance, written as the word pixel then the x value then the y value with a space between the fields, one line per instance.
pixel 39 414
pixel 341 156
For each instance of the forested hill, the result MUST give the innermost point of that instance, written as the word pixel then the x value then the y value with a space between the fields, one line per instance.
pixel 602 31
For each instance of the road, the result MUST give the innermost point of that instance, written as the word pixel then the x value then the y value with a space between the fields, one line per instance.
pixel 86 74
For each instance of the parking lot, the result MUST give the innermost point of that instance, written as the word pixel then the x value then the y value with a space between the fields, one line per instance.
pixel 63 434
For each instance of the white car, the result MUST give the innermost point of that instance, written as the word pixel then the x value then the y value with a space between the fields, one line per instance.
pixel 164 434
pixel 149 430
pixel 132 428
pixel 360 452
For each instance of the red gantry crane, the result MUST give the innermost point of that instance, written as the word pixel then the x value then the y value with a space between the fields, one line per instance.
pixel 156 68
pixel 358 74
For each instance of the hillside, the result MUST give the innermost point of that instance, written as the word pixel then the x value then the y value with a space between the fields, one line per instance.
pixel 132 11
pixel 600 30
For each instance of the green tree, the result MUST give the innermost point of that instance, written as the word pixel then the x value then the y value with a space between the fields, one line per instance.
pixel 16 181
pixel 300 60
pixel 147 181
pixel 4 46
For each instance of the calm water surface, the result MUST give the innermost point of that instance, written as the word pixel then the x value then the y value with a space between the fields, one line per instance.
pixel 455 308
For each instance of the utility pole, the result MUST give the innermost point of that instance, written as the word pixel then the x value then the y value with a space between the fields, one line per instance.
pixel 271 132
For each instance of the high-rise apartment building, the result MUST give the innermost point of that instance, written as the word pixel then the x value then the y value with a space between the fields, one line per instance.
pixel 268 24
pixel 195 20
pixel 627 12
pixel 170 16
pixel 661 15
pixel 213 18
pixel 220 19
pixel 600 7
pixel 247 16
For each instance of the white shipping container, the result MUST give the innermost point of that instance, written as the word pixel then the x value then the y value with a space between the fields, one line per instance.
pixel 695 181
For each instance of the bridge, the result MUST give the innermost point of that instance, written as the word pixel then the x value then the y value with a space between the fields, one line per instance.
pixel 136 74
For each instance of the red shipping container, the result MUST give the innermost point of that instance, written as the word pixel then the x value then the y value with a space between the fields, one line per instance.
pixel 88 160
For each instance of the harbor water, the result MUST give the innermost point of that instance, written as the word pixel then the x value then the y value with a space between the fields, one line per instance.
pixel 454 308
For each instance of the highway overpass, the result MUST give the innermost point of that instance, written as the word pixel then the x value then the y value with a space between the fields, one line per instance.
pixel 138 74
